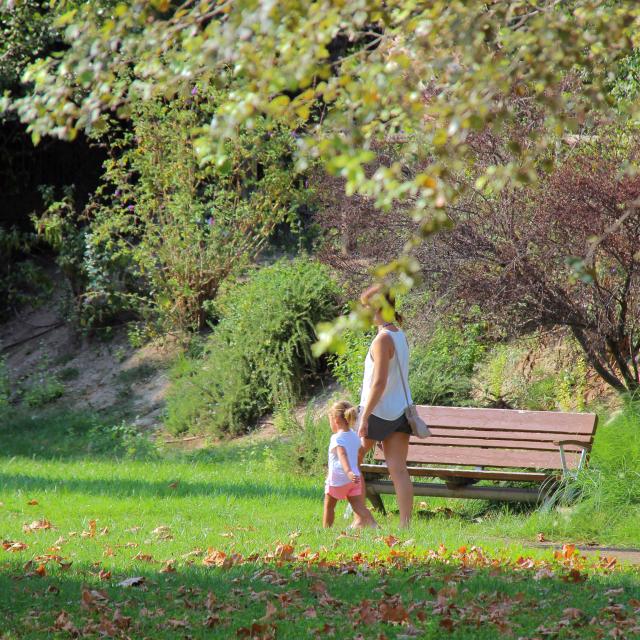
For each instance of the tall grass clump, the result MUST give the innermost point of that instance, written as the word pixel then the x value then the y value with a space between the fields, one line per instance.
pixel 606 493
pixel 259 354
pixel 305 441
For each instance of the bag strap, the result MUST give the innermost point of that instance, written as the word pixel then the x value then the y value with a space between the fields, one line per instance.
pixel 404 386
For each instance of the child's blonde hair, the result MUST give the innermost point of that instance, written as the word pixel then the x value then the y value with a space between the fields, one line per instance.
pixel 345 411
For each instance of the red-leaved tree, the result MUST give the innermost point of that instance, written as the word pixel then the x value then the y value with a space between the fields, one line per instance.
pixel 563 253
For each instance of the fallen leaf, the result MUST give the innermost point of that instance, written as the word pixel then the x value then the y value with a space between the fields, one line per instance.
pixel 574 576
pixel 284 552
pixel 173 623
pixel 36 525
pixel 393 612
pixel 122 622
pixel 93 598
pixel 92 530
pixel 173 485
pixel 32 502
pixel 63 623
pixel 168 567
pixel 272 610
pixel 132 582
pixel 390 541
pixel 144 557
pixel 212 621
pixel 41 570
pixel 446 623
pixel 104 574
pixel 14 547
pixel 541 537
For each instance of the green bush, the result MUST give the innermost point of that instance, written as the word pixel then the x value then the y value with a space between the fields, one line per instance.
pixel 43 386
pixel 260 352
pixel 440 369
pixel 348 367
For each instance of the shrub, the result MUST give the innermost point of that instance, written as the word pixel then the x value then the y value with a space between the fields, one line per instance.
pixel 306 443
pixel 348 367
pixel 260 352
pixel 184 226
pixel 440 371
pixel 21 280
pixel 530 373
pixel 5 388
pixel 42 386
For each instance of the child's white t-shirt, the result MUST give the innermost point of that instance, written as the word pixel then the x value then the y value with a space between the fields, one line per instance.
pixel 351 443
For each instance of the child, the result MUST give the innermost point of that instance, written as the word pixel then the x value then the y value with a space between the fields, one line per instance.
pixel 343 478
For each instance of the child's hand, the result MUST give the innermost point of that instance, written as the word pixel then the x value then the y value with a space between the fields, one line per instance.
pixel 353 477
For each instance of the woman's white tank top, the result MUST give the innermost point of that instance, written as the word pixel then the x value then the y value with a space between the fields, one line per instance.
pixel 393 401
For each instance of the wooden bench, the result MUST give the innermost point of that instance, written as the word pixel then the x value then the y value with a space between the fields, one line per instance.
pixel 497 445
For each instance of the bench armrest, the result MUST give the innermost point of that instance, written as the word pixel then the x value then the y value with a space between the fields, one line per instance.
pixel 576 443
pixel 586 448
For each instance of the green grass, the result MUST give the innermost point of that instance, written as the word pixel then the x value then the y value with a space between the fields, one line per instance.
pixel 242 498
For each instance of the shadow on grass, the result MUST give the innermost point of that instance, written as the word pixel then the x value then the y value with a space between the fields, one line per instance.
pixel 55 434
pixel 297 600
pixel 125 487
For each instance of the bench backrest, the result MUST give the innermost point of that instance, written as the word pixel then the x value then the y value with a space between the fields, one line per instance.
pixel 499 437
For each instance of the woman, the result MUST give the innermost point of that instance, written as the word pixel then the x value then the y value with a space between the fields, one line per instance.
pixel 383 400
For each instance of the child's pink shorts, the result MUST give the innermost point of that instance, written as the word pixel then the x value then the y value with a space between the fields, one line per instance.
pixel 344 491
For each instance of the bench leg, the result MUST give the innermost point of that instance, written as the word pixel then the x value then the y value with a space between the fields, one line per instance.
pixel 376 500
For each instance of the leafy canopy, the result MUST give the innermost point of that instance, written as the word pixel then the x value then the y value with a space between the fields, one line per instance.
pixel 345 75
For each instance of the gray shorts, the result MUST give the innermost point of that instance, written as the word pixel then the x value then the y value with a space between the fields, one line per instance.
pixel 380 429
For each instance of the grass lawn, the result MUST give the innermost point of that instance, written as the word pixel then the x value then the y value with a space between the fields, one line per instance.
pixel 227 543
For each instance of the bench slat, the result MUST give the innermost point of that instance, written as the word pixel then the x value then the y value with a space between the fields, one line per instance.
pixel 535 436
pixel 508 494
pixel 465 418
pixel 480 474
pixel 493 444
pixel 473 456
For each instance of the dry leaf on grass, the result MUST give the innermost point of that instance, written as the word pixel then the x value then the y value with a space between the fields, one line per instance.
pixel 37 525
pixel 132 582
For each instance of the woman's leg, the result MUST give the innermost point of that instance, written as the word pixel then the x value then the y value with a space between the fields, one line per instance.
pixel 329 510
pixel 364 517
pixel 396 448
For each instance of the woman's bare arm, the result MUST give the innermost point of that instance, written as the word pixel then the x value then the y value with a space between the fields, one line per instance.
pixel 382 351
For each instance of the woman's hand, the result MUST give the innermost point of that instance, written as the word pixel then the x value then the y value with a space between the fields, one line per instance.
pixel 353 477
pixel 362 427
